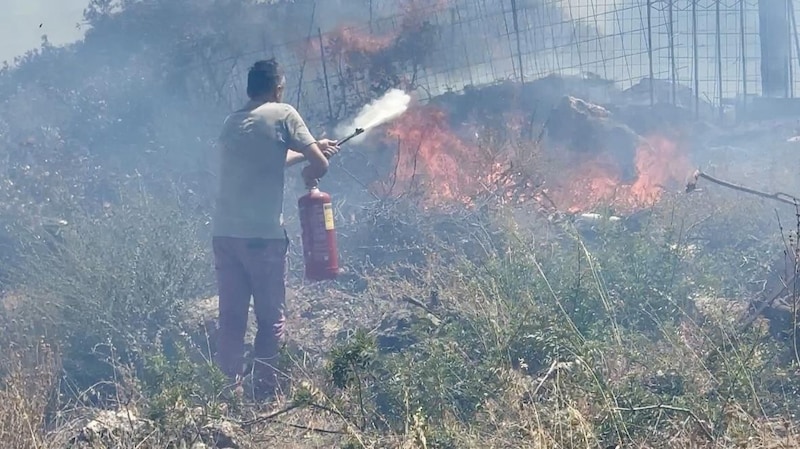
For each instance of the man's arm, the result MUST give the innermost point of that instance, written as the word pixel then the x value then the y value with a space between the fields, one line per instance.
pixel 294 158
pixel 327 146
pixel 303 142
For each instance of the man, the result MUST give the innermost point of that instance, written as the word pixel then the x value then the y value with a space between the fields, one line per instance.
pixel 250 244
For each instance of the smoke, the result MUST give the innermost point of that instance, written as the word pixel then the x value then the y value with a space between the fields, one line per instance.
pixel 386 108
pixel 600 15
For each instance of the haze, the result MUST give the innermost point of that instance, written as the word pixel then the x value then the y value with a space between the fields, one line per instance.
pixel 19 24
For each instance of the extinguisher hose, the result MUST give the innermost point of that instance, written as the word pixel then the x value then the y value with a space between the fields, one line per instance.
pixel 355 133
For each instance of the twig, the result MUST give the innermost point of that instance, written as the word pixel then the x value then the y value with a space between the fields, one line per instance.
pixel 312 429
pixel 766 304
pixel 359 181
pixel 421 305
pixel 792 280
pixel 777 196
pixel 547 375
pixel 671 408
pixel 263 418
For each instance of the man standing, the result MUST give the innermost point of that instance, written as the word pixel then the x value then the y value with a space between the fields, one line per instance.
pixel 250 245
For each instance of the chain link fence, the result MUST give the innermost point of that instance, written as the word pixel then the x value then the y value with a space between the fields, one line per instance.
pixel 708 50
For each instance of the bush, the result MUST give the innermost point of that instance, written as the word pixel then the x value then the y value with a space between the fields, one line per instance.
pixel 113 285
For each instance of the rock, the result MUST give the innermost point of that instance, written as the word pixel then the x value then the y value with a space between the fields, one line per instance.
pixel 222 434
pixel 123 428
pixel 659 119
pixel 111 428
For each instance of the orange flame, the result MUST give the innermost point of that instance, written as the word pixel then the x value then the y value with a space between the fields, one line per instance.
pixel 349 41
pixel 434 162
pixel 659 162
pixel 597 182
pixel 429 157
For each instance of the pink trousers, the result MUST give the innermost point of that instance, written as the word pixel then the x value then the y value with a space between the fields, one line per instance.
pixel 250 268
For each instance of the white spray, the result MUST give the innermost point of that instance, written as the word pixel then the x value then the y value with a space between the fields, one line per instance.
pixel 386 108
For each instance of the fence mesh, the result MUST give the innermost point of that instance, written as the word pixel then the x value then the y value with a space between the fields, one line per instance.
pixel 709 49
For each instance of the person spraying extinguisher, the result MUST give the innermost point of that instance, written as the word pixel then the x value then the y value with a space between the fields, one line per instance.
pixel 256 144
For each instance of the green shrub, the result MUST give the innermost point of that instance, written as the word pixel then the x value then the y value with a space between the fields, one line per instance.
pixel 116 281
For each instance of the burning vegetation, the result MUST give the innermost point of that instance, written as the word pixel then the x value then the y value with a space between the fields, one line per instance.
pixel 439 160
pixel 543 142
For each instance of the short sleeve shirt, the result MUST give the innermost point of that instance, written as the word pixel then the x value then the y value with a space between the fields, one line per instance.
pixel 252 149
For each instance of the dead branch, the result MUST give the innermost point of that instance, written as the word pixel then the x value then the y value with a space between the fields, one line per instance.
pixel 546 376
pixel 672 408
pixel 267 417
pixel 782 197
pixel 747 322
pixel 417 303
pixel 312 429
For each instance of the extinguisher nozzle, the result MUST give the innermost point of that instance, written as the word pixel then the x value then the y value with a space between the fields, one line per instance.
pixel 355 133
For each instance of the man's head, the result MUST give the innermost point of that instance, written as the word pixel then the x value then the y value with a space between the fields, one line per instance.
pixel 265 81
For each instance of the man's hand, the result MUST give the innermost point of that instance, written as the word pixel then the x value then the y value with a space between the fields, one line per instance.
pixel 328 147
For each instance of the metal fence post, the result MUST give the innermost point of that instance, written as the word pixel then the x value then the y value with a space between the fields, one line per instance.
pixel 650 48
pixel 718 33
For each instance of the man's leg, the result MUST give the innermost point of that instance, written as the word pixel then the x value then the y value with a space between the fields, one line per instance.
pixel 234 304
pixel 266 263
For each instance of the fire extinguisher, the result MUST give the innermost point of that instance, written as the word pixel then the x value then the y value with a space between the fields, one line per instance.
pixel 320 253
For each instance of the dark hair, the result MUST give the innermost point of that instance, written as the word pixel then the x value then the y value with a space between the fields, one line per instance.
pixel 263 78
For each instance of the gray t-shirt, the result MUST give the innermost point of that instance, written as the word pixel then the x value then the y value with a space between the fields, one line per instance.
pixel 253 145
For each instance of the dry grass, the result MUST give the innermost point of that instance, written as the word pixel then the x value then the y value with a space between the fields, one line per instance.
pixel 552 342
pixel 29 379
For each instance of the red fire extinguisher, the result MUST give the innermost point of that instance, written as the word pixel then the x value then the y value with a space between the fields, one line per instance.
pixel 320 253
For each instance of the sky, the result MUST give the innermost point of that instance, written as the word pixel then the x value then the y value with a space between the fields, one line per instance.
pixel 19 24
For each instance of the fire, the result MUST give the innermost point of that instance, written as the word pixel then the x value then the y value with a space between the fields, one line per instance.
pixel 434 162
pixel 429 158
pixel 597 182
pixel 585 183
pixel 441 166
pixel 659 162
pixel 349 43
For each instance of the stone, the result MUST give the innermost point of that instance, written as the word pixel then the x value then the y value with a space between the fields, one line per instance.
pixel 110 428
pixel 222 434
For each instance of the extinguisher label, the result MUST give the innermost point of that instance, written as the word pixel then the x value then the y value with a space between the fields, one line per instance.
pixel 327 211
